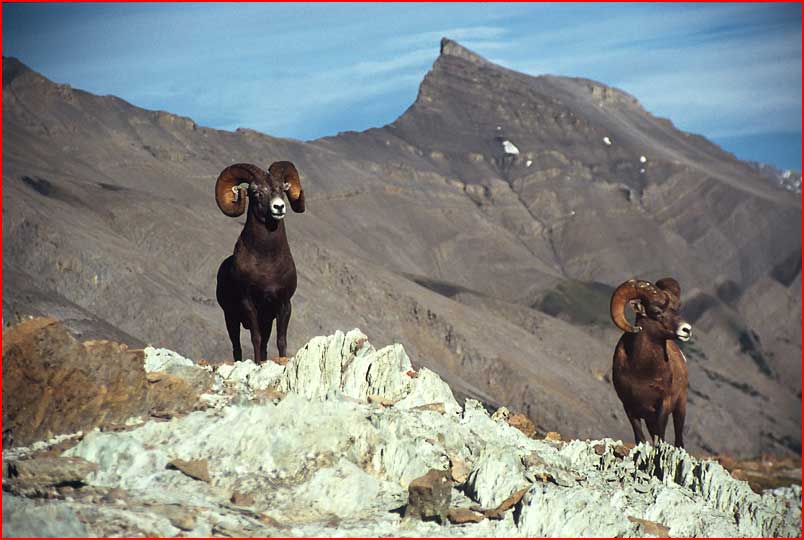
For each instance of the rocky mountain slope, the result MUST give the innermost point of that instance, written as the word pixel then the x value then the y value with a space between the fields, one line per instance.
pixel 345 439
pixel 788 179
pixel 484 228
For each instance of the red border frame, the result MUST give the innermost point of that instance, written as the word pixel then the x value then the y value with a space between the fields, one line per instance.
pixel 326 1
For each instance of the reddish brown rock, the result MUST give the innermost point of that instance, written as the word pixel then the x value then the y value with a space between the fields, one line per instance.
pixel 429 496
pixel 523 424
pixel 53 384
pixel 600 449
pixel 196 469
pixel 242 499
pixel 458 516
pixel 439 407
pixel 651 527
pixel 507 504
pixel 622 450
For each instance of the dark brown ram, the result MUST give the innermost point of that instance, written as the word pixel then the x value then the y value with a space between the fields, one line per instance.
pixel 256 283
pixel 649 370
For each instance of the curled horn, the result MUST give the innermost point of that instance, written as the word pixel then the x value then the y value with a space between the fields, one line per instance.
pixel 629 291
pixel 229 195
pixel 287 173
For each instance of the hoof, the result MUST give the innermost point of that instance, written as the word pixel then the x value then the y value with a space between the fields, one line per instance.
pixel 281 360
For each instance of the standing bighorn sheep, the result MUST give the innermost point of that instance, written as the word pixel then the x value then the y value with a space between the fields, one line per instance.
pixel 256 283
pixel 649 370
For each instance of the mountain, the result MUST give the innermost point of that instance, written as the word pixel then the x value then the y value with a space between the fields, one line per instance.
pixel 484 228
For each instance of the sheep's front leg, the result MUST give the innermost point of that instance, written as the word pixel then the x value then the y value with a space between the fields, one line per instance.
pixel 639 436
pixel 233 327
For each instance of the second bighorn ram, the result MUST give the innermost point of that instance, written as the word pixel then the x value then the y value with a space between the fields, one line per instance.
pixel 649 370
pixel 256 283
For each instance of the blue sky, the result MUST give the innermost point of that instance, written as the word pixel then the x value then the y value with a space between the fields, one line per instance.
pixel 731 72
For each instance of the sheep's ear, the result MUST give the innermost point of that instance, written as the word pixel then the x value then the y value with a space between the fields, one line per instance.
pixel 638 308
pixel 286 172
pixel 673 290
pixel 670 285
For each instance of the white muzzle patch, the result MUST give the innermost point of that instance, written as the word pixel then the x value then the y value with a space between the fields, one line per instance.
pixel 684 332
pixel 278 208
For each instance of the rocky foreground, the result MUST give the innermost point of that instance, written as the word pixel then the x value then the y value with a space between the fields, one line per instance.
pixel 343 440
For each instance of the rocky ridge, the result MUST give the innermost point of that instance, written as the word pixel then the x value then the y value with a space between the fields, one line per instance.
pixel 350 440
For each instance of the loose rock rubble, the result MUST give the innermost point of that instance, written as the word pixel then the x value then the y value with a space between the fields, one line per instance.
pixel 347 440
pixel 429 496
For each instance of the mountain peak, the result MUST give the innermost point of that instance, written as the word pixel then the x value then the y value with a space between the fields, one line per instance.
pixel 452 48
pixel 12 68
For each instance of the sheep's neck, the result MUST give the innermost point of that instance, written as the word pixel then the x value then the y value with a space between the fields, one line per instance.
pixel 267 238
pixel 646 352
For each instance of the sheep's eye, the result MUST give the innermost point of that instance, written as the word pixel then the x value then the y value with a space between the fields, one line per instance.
pixel 285 186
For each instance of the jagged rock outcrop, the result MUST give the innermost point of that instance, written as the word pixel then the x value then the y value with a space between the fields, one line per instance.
pixel 336 449
pixel 348 364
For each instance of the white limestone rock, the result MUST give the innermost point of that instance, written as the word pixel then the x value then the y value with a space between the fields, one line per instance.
pixel 550 510
pixel 427 388
pixel 163 359
pixel 246 377
pixel 328 461
pixel 498 474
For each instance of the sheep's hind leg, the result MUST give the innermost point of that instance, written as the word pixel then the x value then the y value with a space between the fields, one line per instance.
pixel 282 321
pixel 233 327
pixel 679 413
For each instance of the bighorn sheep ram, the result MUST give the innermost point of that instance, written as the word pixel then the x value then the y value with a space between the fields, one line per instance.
pixel 255 284
pixel 649 370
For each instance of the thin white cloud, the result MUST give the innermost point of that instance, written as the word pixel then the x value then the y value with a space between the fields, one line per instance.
pixel 415 58
pixel 713 70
